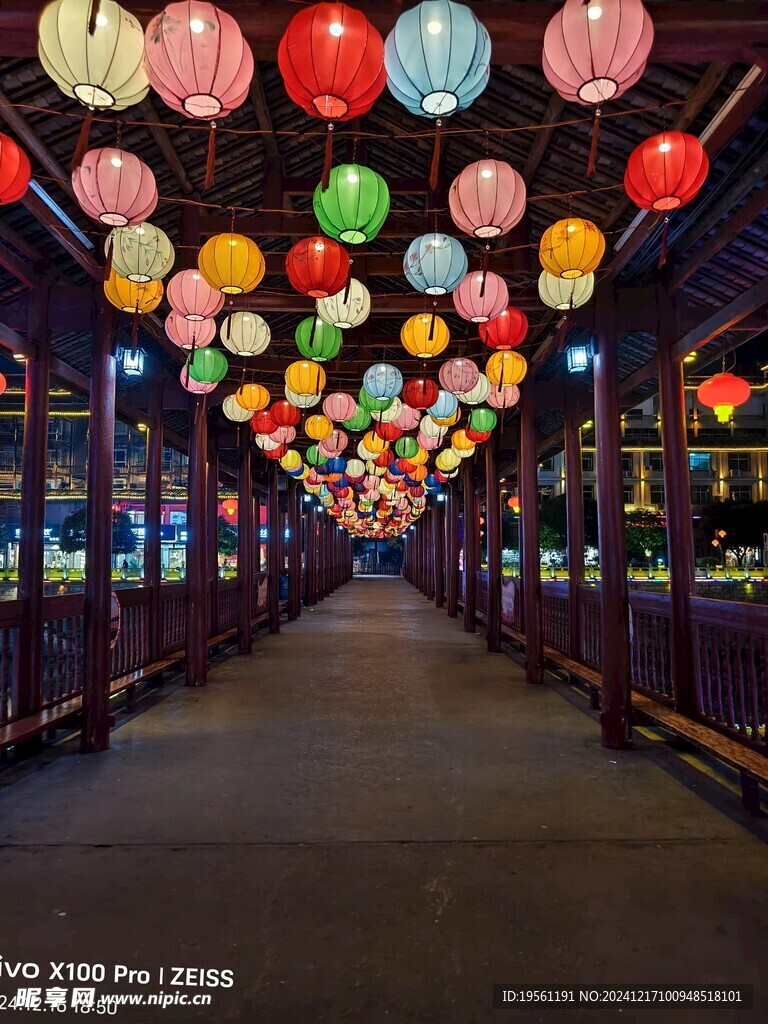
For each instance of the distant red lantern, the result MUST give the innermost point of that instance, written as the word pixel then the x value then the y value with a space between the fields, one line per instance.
pixel 3 383
pixel 229 509
pixel 284 413
pixel 666 171
pixel 507 331
pixel 722 393
pixel 262 422
pixel 317 266
pixel 420 393
pixel 15 171
pixel 513 502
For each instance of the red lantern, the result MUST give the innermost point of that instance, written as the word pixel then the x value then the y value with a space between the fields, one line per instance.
pixel 383 459
pixel 317 266
pixel 420 393
pixel 276 453
pixel 15 171
pixel 477 436
pixel 332 62
pixel 3 383
pixel 262 422
pixel 388 431
pixel 507 331
pixel 666 171
pixel 723 392
pixel 284 414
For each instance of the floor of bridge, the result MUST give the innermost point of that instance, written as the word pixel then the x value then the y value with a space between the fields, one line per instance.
pixel 371 819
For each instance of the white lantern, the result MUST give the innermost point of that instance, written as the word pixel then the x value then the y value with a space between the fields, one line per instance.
pixel 234 411
pixel 245 334
pixel 478 394
pixel 302 401
pixel 559 293
pixel 140 252
pixel 390 414
pixel 348 308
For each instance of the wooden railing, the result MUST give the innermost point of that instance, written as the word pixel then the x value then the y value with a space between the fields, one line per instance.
pixel 650 643
pixel 554 613
pixel 62 648
pixel 132 648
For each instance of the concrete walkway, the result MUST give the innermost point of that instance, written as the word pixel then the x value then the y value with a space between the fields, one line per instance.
pixel 371 819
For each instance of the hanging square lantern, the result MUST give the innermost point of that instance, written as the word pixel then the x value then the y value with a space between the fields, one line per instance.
pixel 578 350
pixel 132 361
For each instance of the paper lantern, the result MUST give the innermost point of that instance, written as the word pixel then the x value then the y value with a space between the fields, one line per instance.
pixel 420 393
pixel 370 403
pixel 284 435
pixel 141 252
pixel 487 199
pixel 723 392
pixel 406 446
pixel 382 380
pixel 666 171
pixel 234 411
pixel 503 398
pixel 425 335
pixel 444 406
pixel 374 443
pixel 458 375
pixel 262 422
pixel 284 414
pixel 192 297
pixel 348 308
pixel 302 401
pixel 197 59
pixel 389 414
pixel 359 420
pixel 316 339
pixel 208 365
pixel 318 427
pixel 339 406
pixel 291 460
pixel 447 460
pixel 231 263
pixel 332 61
pixel 461 444
pixel 483 420
pixel 477 393
pixel 305 377
pixel 15 171
pixel 114 187
pixel 453 419
pixel 407 418
pixel 131 297
pixel 481 296
pixel 252 397
pixel 354 206
pixel 335 443
pixel 595 51
pixel 189 334
pixel 437 58
pixel 245 334
pixel 196 387
pixel 389 431
pixel 513 502
pixel 571 248
pixel 557 293
pixel 317 266
pixel 429 428
pixel 104 70
pixel 506 368
pixel 434 263
pixel 507 330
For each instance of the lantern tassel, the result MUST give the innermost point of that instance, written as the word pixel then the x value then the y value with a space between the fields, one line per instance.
pixel 486 262
pixel 431 336
pixel 82 141
pixel 95 4
pixel 210 163
pixel 592 164
pixel 664 237
pixel 108 260
pixel 325 180
pixel 312 333
pixel 347 288
pixel 435 166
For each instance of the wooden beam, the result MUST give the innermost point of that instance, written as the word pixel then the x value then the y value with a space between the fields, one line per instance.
pixel 263 116
pixel 541 138
pixel 23 273
pixel 147 110
pixel 752 299
pixel 305 186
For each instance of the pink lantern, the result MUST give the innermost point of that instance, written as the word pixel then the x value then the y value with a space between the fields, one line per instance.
pixel 481 296
pixel 283 435
pixel 458 375
pixel 503 397
pixel 595 51
pixel 334 444
pixel 192 297
pixel 313 479
pixel 189 334
pixel 195 386
pixel 428 443
pixel 371 482
pixel 487 199
pixel 197 59
pixel 407 418
pixel 114 187
pixel 339 406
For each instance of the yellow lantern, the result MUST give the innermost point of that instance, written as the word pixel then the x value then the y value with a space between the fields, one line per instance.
pixel 231 263
pixel 424 335
pixel 305 377
pixel 318 427
pixel 461 443
pixel 571 248
pixel 506 368
pixel 133 296
pixel 447 460
pixel 421 458
pixel 373 443
pixel 291 461
pixel 252 396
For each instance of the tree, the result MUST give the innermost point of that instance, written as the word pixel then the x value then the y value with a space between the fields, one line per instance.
pixel 646 531
pixel 550 539
pixel 124 540
pixel 553 514
pixel 227 537
pixel 744 523
pixel 72 539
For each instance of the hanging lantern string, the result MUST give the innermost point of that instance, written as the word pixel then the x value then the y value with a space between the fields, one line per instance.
pixel 328 160
pixel 92 20
pixel 435 165
pixel 592 163
pixel 664 238
pixel 210 160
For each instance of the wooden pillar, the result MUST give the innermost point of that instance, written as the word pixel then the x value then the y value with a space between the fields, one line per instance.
pixel 438 523
pixel 294 552
pixel 530 558
pixel 98 540
pixel 452 552
pixel 574 502
pixel 429 545
pixel 312 527
pixel 321 524
pixel 28 653
pixel 677 505
pixel 493 535
pixel 274 548
pixel 299 540
pixel 614 597
pixel 471 527
pixel 245 533
pixel 327 540
pixel 153 516
pixel 197 547
pixel 212 536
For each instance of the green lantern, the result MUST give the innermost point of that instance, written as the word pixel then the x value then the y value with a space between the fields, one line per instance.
pixel 406 447
pixel 313 456
pixel 354 206
pixel 318 340
pixel 360 420
pixel 371 404
pixel 482 419
pixel 208 366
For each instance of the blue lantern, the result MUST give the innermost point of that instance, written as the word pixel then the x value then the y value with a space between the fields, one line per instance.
pixel 578 349
pixel 336 464
pixel 444 407
pixel 437 58
pixel 435 263
pixel 430 483
pixel 383 380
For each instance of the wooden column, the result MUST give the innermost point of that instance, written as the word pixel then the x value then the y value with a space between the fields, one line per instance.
pixel 153 516
pixel 245 533
pixel 677 505
pixel 574 502
pixel 471 527
pixel 28 652
pixel 197 547
pixel 294 552
pixel 321 518
pixel 212 553
pixel 274 548
pixel 98 540
pixel 300 562
pixel 614 597
pixel 493 534
pixel 452 552
pixel 438 523
pixel 530 557
pixel 312 518
pixel 429 544
pixel 327 557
